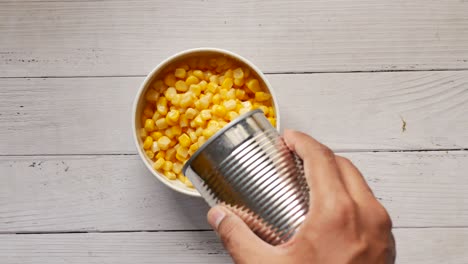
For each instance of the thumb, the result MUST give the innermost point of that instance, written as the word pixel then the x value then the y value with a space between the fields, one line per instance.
pixel 238 239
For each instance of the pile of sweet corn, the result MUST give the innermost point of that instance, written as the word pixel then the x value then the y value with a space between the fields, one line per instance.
pixel 191 103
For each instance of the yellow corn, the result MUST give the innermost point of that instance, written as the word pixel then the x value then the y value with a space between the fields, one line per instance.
pixel 198 121
pixel 183 122
pixel 201 140
pixel 199 131
pixel 161 105
pixel 229 74
pixel 239 82
pixel 212 87
pixel 184 140
pixel 240 94
pixel 230 104
pixel 159 163
pixel 143 133
pixel 152 95
pixel 203 84
pixel 216 99
pixel 187 99
pixel 162 123
pixel 208 132
pixel 188 183
pixel 177 167
pixel 219 110
pixel 148 110
pixel 170 93
pixel 181 177
pixel 182 152
pixel 163 142
pixel 149 125
pixel 150 153
pixel 232 115
pixel 148 142
pixel 193 136
pixel 264 109
pixel 161 154
pixel 156 135
pixel 170 154
pixel 170 80
pixel 172 117
pixel 253 85
pixel 199 74
pixel 170 175
pixel 227 83
pixel 180 73
pixel 159 86
pixel 154 147
pixel 191 113
pixel 195 89
pixel 181 86
pixel 204 114
pixel 262 96
pixel 191 80
pixel 156 116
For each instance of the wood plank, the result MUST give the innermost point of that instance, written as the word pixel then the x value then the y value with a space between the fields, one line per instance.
pixel 446 245
pixel 358 111
pixel 72 38
pixel 107 193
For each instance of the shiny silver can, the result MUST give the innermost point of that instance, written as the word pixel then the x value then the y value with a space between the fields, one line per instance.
pixel 247 167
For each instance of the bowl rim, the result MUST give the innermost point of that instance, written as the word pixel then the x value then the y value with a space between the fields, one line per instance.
pixel 150 76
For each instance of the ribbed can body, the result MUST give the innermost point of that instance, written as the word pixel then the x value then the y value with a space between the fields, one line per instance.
pixel 248 168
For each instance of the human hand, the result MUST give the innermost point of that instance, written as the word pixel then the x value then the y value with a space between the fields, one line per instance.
pixel 345 223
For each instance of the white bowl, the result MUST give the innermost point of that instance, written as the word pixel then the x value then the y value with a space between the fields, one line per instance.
pixel 139 103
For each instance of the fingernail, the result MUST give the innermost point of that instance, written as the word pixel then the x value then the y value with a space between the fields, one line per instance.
pixel 215 217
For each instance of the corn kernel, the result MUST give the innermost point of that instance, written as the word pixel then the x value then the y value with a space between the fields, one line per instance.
pixel 199 74
pixel 181 177
pixel 170 154
pixel 183 122
pixel 170 93
pixel 204 114
pixel 238 106
pixel 176 130
pixel 149 125
pixel 195 89
pixel 223 93
pixel 203 102
pixel 238 73
pixel 148 142
pixel 240 94
pixel 216 99
pixel 227 83
pixel 212 87
pixel 191 113
pixel 177 167
pixel 253 85
pixel 246 72
pixel 214 79
pixel 219 110
pixel 159 163
pixel 161 105
pixel 184 140
pixel 239 82
pixel 163 142
pixel 187 99
pixel 149 154
pixel 143 133
pixel 199 131
pixel 188 183
pixel 161 154
pixel 194 147
pixel 221 80
pixel 208 132
pixel 272 121
pixel 231 94
pixel 170 80
pixel 180 73
pixel 199 122
pixel 148 111
pixel 182 151
pixel 231 115
pixel 271 111
pixel 152 95
pixel 159 86
pixel 170 175
pixel 243 111
pixel 222 123
pixel 154 146
pixel 203 84
pixel 156 116
pixel 201 140
pixel 156 135
pixel 162 123
pixel 172 117
pixel 262 96
pixel 230 104
pixel 191 80
pixel 193 136
pixel 181 86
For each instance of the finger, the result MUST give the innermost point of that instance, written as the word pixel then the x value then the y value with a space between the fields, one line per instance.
pixel 243 245
pixel 320 166
pixel 353 180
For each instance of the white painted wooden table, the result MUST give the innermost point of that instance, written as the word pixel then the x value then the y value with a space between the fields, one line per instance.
pixel 384 83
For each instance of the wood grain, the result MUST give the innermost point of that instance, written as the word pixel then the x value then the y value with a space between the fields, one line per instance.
pixel 111 193
pixel 109 38
pixel 446 245
pixel 348 112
